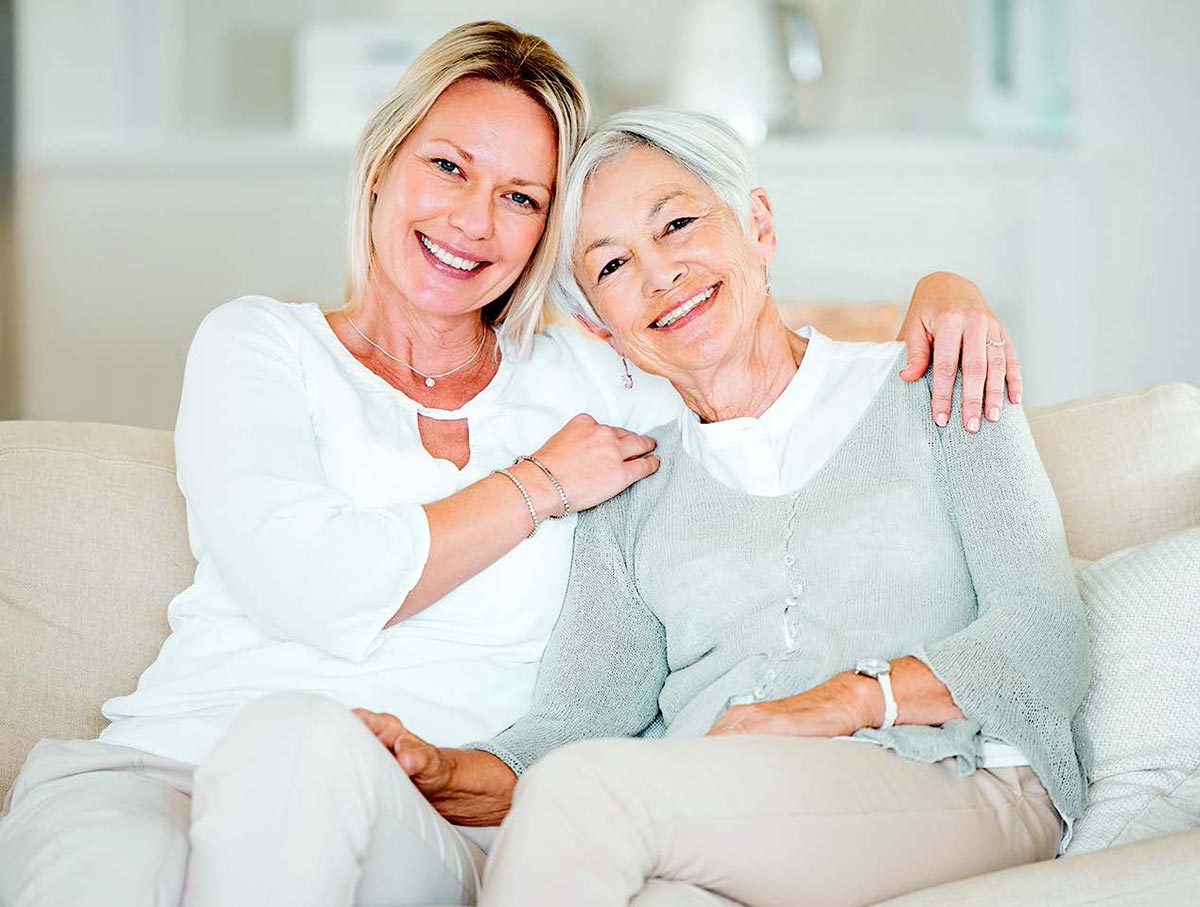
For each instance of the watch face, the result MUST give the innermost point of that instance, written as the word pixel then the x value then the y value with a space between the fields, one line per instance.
pixel 872 667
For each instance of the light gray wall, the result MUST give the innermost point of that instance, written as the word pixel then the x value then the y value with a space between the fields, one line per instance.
pixel 1137 74
pixel 8 289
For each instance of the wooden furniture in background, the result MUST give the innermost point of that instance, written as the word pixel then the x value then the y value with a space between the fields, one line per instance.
pixel 845 321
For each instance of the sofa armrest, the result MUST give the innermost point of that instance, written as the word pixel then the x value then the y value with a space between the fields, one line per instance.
pixel 1151 873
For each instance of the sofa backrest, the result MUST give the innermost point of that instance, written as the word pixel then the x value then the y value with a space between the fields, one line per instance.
pixel 1125 468
pixel 93 540
pixel 93 545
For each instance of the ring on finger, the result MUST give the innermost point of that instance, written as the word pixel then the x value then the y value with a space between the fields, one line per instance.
pixel 999 343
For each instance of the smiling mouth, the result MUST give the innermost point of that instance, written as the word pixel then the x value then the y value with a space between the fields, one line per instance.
pixel 685 308
pixel 448 256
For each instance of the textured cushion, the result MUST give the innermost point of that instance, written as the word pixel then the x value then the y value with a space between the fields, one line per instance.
pixel 1125 468
pixel 93 546
pixel 1139 728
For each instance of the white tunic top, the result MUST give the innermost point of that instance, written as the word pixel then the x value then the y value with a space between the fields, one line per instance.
pixel 304 476
pixel 778 452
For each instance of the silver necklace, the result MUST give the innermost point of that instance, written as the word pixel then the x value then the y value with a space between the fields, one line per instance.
pixel 430 380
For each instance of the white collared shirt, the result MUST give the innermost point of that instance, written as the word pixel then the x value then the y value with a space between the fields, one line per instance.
pixel 778 452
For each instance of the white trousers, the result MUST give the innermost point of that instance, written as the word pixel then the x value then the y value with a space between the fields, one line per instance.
pixel 760 821
pixel 298 805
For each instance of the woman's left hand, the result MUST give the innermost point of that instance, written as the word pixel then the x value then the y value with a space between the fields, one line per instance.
pixel 831 709
pixel 948 316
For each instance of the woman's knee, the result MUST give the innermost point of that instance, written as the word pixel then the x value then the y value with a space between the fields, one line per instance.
pixel 301 734
pixel 96 840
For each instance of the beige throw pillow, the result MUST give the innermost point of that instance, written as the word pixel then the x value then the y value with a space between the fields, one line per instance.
pixel 1139 727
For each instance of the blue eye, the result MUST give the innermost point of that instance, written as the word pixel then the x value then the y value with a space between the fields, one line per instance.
pixel 678 224
pixel 524 200
pixel 609 268
pixel 446 166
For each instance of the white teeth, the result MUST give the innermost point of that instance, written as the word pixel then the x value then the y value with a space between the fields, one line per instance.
pixel 679 311
pixel 463 264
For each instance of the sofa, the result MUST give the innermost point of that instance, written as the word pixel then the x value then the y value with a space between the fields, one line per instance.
pixel 93 544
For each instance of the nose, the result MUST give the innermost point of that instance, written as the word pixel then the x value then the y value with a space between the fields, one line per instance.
pixel 663 272
pixel 474 213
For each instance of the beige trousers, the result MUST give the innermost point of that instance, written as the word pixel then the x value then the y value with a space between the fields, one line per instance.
pixel 761 821
pixel 299 805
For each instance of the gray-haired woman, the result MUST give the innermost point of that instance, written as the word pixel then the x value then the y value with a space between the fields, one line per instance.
pixel 813 561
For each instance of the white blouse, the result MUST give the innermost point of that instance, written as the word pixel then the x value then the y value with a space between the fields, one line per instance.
pixel 304 474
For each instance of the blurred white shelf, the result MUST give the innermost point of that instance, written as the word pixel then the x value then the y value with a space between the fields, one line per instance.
pixel 910 152
pixel 230 151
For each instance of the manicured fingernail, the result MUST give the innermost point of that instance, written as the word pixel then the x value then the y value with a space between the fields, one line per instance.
pixel 941 419
pixel 1018 400
pixel 973 425
pixel 994 414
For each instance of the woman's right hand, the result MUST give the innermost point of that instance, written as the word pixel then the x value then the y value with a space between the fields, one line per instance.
pixel 422 761
pixel 594 462
pixel 467 787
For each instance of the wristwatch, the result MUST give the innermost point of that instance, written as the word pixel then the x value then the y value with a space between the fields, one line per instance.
pixel 881 671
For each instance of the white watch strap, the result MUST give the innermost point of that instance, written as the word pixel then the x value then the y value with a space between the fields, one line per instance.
pixel 889 701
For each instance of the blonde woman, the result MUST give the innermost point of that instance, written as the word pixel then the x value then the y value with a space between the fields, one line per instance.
pixel 362 534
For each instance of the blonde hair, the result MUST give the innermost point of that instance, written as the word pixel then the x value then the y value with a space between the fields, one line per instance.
pixel 706 146
pixel 497 53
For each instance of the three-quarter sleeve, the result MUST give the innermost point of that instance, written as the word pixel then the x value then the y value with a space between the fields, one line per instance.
pixel 606 661
pixel 297 555
pixel 1021 668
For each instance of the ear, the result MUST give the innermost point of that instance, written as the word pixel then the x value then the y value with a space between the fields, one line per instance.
pixel 762 225
pixel 597 330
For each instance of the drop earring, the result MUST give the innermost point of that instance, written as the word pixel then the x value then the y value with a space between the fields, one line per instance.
pixel 767 277
pixel 628 379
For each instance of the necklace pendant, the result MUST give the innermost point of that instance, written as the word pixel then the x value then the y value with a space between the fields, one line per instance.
pixel 429 382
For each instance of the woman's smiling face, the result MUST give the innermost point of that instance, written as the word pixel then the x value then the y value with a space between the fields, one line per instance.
pixel 460 208
pixel 665 263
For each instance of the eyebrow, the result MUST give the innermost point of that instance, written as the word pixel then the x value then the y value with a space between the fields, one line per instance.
pixel 657 207
pixel 652 212
pixel 470 159
pixel 599 243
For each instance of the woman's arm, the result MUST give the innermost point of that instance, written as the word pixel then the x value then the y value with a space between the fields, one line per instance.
pixel 1022 664
pixel 948 316
pixel 1022 660
pixel 475 527
pixel 601 676
pixel 844 703
pixel 301 558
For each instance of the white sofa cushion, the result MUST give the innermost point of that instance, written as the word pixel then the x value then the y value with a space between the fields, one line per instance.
pixel 1125 468
pixel 93 546
pixel 1139 727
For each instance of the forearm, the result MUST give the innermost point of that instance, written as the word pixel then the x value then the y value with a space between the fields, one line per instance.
pixel 920 697
pixel 479 791
pixel 473 528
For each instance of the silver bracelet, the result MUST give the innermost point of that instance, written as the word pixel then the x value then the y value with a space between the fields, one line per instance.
pixel 553 481
pixel 525 495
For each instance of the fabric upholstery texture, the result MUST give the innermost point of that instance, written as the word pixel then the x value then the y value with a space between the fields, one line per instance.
pixel 93 545
pixel 1138 736
pixel 1125 468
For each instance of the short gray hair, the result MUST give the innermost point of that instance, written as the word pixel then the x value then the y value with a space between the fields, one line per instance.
pixel 702 144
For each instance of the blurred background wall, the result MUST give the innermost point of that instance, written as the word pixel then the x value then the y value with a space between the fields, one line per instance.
pixel 173 154
pixel 8 287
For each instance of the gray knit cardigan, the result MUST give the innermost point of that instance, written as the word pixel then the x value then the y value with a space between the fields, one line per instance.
pixel 687 596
